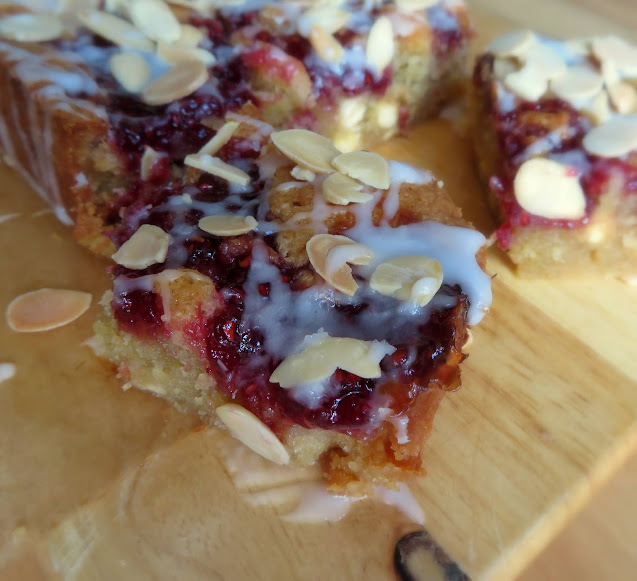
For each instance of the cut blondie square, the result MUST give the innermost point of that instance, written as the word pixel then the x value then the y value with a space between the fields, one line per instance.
pixel 315 302
pixel 96 104
pixel 556 141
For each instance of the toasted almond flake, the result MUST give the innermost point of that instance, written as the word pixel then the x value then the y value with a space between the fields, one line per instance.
pixel 149 159
pixel 303 174
pixel 178 82
pixel 190 36
pixel 617 51
pixel 381 45
pixel 549 60
pixel 408 278
pixel 7 371
pixel 131 70
pixel 330 18
pixel 414 5
pixel 617 137
pixel 155 19
pixel 148 246
pixel 577 84
pixel 28 27
pixel 223 135
pixel 342 190
pixel 599 108
pixel 530 82
pixel 325 45
pixel 331 255
pixel 550 189
pixel 323 357
pixel 252 432
pixel 46 309
pixel 227 225
pixel 370 168
pixel 516 43
pixel 115 29
pixel 308 149
pixel 623 96
pixel 217 167
pixel 174 54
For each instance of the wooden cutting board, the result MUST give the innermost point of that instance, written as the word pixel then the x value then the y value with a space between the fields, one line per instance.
pixel 97 483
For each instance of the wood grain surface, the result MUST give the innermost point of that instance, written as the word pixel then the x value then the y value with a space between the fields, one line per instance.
pixel 100 484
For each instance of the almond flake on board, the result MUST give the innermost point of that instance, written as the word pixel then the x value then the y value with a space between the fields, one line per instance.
pixel 174 54
pixel 131 70
pixel 179 81
pixel 516 43
pixel 370 168
pixel 46 309
pixel 147 246
pixel 155 19
pixel 223 135
pixel 217 167
pixel 408 278
pixel 342 190
pixel 578 83
pixel 227 225
pixel 116 29
pixel 325 45
pixel 381 46
pixel 323 355
pixel 331 255
pixel 308 149
pixel 253 433
pixel 615 138
pixel 546 188
pixel 31 27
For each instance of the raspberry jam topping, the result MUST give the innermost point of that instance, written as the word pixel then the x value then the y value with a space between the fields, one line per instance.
pixel 552 128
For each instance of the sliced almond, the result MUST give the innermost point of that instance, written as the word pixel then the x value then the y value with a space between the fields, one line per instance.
pixel 577 84
pixel 174 54
pixel 408 278
pixel 616 50
pixel 351 112
pixel 599 108
pixel 342 190
pixel 516 43
pixel 623 96
pixel 321 359
pixel 190 36
pixel 7 371
pixel 148 246
pixel 115 29
pixel 130 70
pixel 413 5
pixel 325 45
pixel 217 167
pixel 178 82
pixel 302 174
pixel 29 27
pixel 308 149
pixel 253 433
pixel 387 115
pixel 530 82
pixel 381 46
pixel 548 59
pixel 227 225
pixel 223 135
pixel 617 137
pixel 155 19
pixel 149 159
pixel 330 18
pixel 331 255
pixel 46 309
pixel 370 168
pixel 549 189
